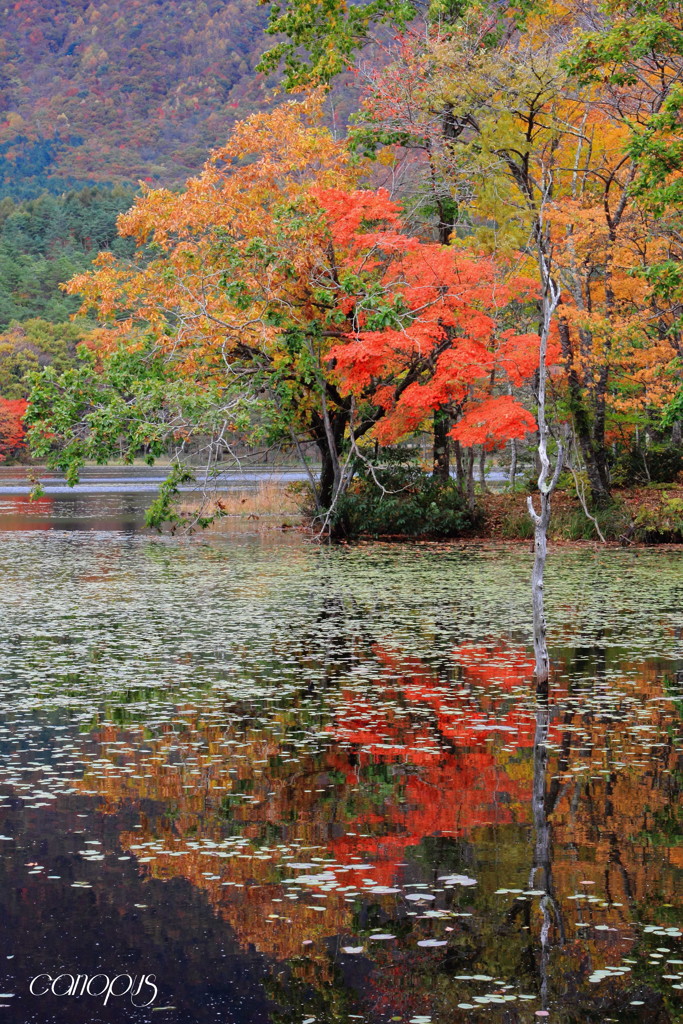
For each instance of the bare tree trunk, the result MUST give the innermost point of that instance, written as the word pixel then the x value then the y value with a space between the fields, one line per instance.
pixel 537 582
pixel 551 297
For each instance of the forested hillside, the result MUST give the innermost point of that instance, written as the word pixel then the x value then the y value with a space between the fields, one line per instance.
pixel 118 90
pixel 45 241
pixel 94 97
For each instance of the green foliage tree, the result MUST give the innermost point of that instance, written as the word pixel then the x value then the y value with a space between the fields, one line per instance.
pixel 45 241
pixel 29 346
pixel 127 405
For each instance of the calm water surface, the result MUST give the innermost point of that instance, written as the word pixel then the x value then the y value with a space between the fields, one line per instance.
pixel 308 785
pixel 110 497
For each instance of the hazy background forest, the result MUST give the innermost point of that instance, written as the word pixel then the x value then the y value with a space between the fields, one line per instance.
pixel 95 97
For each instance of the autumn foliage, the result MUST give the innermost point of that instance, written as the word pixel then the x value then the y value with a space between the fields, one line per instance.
pixel 12 432
pixel 440 341
pixel 122 89
pixel 374 287
pixel 588 158
pixel 280 273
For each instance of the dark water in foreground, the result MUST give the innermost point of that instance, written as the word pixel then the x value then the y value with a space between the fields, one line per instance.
pixel 310 786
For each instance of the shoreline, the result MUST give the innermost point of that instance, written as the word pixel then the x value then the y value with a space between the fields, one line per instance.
pixel 639 518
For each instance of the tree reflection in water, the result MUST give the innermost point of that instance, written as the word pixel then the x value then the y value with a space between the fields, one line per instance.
pixel 418 785
pixel 391 781
pixel 541 876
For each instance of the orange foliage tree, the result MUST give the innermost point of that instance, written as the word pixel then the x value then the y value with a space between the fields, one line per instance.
pixel 272 274
pixel 444 342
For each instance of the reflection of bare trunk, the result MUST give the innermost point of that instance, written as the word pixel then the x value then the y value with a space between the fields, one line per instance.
pixel 538 604
pixel 540 877
pixel 541 824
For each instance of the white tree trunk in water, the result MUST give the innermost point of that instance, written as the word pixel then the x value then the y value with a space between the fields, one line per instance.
pixel 546 486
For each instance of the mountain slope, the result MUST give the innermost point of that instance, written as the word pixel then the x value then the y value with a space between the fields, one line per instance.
pixel 116 90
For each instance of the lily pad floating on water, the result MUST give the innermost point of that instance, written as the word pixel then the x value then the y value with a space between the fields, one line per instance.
pixel 352 949
pixel 457 880
pixel 381 937
pixel 431 943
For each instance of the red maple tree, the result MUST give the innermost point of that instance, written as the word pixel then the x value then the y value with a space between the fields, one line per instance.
pixel 12 431
pixel 432 332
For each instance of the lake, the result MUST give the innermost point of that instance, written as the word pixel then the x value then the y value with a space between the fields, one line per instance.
pixel 300 784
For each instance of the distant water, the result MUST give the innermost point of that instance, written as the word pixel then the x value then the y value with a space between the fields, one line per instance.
pixel 108 498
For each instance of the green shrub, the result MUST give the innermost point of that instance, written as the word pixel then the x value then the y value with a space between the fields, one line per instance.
pixel 614 521
pixel 395 497
pixel 517 526
pixel 657 463
pixel 662 524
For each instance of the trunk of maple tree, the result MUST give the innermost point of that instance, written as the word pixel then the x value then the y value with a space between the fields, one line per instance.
pixel 590 438
pixel 326 482
pixel 594 455
pixel 329 441
pixel 513 463
pixel 442 459
pixel 482 471
pixel 602 495
pixel 470 479
pixel 459 470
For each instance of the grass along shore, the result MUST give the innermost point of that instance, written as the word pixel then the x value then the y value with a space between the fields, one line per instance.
pixel 642 515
